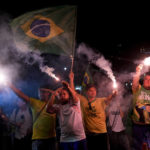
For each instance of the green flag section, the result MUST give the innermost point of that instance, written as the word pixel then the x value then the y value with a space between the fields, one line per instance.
pixel 49 30
pixel 87 79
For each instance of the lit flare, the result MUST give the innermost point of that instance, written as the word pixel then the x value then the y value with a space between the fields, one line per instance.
pixel 115 84
pixel 3 78
pixel 49 71
pixel 54 76
pixel 147 61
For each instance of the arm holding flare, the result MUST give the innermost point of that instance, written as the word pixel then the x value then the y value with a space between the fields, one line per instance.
pixel 136 78
pixel 19 93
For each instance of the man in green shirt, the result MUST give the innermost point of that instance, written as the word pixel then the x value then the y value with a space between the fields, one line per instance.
pixel 141 109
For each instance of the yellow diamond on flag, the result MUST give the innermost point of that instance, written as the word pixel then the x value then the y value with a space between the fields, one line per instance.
pixel 41 28
pixel 86 79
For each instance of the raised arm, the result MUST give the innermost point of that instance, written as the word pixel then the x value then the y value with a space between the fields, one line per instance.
pixel 73 92
pixel 46 90
pixel 71 77
pixel 136 78
pixel 19 93
pixel 109 98
pixel 50 108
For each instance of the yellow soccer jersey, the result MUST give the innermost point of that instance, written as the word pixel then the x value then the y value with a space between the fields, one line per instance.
pixel 44 126
pixel 94 116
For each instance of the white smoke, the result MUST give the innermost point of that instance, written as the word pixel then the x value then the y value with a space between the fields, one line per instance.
pixel 123 97
pixel 49 71
pixel 97 59
pixel 31 57
pixel 105 65
pixel 36 58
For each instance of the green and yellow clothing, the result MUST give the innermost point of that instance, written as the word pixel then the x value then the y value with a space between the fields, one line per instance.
pixel 44 125
pixel 141 103
pixel 94 116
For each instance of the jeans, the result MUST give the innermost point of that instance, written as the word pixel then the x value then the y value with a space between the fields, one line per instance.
pixel 44 144
pixel 78 145
pixel 119 141
pixel 98 141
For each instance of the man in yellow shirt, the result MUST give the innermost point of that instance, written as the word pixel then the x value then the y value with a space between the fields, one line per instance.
pixel 94 116
pixel 44 134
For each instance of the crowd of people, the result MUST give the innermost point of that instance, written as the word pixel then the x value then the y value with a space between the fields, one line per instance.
pixel 65 119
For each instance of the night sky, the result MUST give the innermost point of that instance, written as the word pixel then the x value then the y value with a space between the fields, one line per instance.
pixel 117 30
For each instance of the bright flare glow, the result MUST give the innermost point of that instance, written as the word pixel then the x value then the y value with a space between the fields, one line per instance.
pixel 3 78
pixel 115 84
pixel 54 76
pixel 49 71
pixel 147 61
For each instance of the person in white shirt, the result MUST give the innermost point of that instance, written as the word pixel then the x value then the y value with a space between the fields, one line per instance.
pixel 68 109
pixel 117 132
pixel 21 118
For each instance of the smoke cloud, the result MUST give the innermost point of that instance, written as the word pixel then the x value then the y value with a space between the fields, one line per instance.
pixel 123 99
pixel 97 59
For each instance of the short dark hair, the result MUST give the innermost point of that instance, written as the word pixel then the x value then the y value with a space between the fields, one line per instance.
pixel 66 89
pixel 88 86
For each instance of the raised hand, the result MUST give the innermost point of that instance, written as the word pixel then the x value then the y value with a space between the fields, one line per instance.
pixel 114 93
pixel 71 75
pixel 139 67
pixel 65 84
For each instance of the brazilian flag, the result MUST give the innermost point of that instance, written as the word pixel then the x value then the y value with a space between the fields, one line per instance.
pixel 49 30
pixel 87 79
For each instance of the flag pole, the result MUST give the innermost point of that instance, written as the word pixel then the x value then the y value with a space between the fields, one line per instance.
pixel 73 43
pixel 72 61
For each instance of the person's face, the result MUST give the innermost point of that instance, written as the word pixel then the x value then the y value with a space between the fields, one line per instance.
pixel 147 108
pixel 64 96
pixel 91 92
pixel 146 82
pixel 44 95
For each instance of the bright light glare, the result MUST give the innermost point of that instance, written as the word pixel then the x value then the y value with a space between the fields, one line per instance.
pixel 147 61
pixel 78 88
pixel 65 68
pixel 57 79
pixel 49 71
pixel 54 76
pixel 3 78
pixel 114 85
